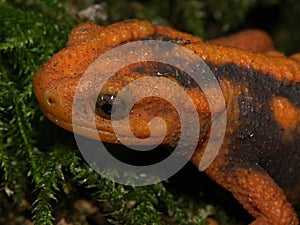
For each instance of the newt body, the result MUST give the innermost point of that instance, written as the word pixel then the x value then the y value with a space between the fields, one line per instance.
pixel 259 158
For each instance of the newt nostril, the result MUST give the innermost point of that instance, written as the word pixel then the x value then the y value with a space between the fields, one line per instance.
pixel 51 101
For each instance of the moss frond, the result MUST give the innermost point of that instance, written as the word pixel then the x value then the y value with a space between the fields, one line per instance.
pixel 27 40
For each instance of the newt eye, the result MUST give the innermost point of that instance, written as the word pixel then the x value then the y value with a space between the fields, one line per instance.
pixel 105 109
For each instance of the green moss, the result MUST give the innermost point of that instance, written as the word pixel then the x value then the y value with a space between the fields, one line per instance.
pixel 27 40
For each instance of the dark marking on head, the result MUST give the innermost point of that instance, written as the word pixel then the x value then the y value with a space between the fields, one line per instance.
pixel 161 69
pixel 165 70
pixel 160 37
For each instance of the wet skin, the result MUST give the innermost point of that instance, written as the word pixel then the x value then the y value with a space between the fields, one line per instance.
pixel 258 161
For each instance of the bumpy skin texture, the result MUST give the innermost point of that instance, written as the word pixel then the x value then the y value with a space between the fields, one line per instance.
pixel 259 158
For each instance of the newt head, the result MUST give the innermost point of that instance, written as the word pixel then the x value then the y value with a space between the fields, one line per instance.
pixel 152 105
pixel 153 98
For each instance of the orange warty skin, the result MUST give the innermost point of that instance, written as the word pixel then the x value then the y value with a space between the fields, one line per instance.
pixel 259 160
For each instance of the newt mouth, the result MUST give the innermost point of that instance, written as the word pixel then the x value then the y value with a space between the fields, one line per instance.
pixel 99 134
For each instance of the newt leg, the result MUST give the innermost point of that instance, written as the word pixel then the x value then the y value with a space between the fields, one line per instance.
pixel 259 194
pixel 251 40
pixel 295 57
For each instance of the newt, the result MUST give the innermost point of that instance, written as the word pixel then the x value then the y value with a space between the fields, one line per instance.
pixel 259 160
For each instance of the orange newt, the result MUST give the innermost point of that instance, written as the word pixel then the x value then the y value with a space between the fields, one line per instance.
pixel 258 161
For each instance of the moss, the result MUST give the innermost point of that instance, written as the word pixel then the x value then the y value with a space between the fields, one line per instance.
pixel 27 40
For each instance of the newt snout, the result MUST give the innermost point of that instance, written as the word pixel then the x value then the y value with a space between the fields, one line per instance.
pixel 258 161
